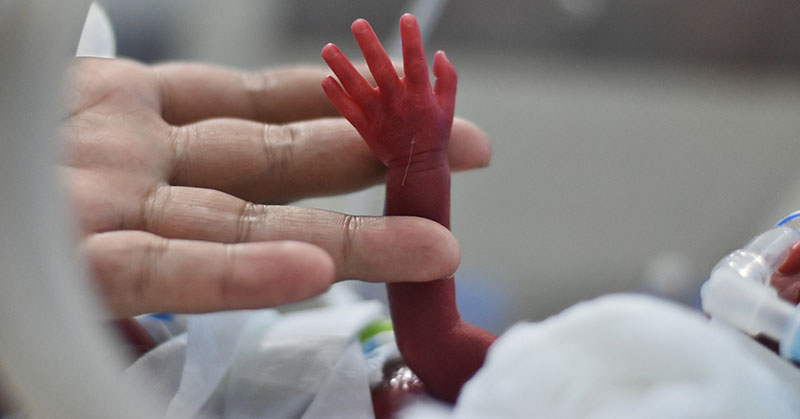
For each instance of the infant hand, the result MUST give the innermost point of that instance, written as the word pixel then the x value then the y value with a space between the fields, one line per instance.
pixel 402 120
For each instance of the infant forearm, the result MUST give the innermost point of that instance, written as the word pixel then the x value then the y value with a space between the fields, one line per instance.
pixel 420 189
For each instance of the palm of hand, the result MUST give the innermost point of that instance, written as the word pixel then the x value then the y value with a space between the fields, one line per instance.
pixel 406 127
pixel 117 159
pixel 787 279
pixel 402 120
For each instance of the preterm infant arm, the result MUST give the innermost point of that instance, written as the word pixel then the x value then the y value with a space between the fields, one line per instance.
pixel 406 123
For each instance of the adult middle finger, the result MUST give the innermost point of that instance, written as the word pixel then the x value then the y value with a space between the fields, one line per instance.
pixel 377 249
pixel 268 163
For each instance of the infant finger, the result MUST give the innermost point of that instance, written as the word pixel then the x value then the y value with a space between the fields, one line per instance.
pixel 353 82
pixel 446 81
pixel 344 103
pixel 414 61
pixel 378 61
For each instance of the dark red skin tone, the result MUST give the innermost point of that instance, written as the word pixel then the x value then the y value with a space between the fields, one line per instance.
pixel 389 396
pixel 407 126
pixel 139 341
pixel 787 278
pixel 787 281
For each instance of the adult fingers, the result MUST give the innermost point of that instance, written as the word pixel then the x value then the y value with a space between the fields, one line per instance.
pixel 193 92
pixel 273 163
pixel 139 272
pixel 379 249
pixel 281 163
pixel 378 61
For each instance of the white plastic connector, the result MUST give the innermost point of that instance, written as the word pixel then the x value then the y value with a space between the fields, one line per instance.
pixel 738 291
pixel 747 305
pixel 762 256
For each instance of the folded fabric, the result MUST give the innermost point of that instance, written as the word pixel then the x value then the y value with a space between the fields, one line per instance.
pixel 258 364
pixel 626 356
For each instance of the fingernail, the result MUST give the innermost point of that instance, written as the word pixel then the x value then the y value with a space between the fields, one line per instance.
pixel 408 19
pixel 329 49
pixel 360 26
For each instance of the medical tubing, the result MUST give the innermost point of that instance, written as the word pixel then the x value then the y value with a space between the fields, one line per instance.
pixel 788 218
pixel 738 291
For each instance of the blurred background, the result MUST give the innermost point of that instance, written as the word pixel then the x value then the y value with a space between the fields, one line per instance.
pixel 635 142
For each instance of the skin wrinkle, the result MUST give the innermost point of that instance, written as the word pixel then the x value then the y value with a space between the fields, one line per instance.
pixel 279 139
pixel 420 161
pixel 149 267
pixel 250 83
pixel 79 69
pixel 244 222
pixel 93 215
pixel 177 140
pixel 226 284
pixel 88 107
pixel 256 87
pixel 155 201
pixel 165 91
pixel 351 225
pixel 262 85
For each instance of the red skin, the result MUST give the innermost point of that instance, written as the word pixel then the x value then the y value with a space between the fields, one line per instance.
pixel 139 341
pixel 407 125
pixel 787 279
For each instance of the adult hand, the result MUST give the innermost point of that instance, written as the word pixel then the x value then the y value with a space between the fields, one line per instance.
pixel 176 173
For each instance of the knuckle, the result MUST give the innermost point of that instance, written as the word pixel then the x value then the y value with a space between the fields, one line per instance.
pixel 226 280
pixel 154 201
pixel 351 226
pixel 256 87
pixel 178 138
pixel 279 141
pixel 250 215
pixel 149 266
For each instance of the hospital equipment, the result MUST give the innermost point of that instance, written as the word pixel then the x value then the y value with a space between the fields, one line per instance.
pixel 739 292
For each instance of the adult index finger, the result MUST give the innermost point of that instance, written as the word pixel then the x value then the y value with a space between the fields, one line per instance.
pixel 281 163
pixel 375 249
pixel 192 92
